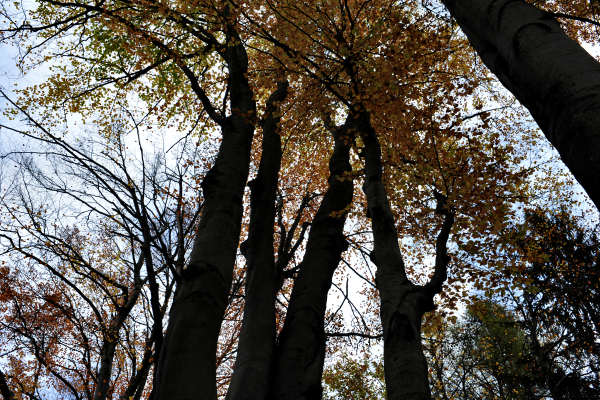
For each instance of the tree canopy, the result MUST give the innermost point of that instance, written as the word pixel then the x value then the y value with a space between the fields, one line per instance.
pixel 186 186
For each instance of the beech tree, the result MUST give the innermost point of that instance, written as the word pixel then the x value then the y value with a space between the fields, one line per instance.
pixel 339 91
pixel 546 70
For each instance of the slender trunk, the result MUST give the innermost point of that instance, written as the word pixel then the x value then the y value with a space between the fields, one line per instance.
pixel 107 355
pixel 157 313
pixel 402 302
pixel 550 74
pixel 301 346
pixel 257 337
pixel 109 345
pixel 137 382
pixel 187 369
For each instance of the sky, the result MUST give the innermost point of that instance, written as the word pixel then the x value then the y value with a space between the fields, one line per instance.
pixel 9 75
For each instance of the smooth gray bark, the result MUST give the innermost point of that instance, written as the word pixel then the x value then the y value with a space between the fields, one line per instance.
pixel 300 352
pixel 550 74
pixel 402 302
pixel 250 380
pixel 187 369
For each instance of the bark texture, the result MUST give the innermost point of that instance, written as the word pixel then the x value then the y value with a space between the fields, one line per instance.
pixel 402 302
pixel 257 337
pixel 300 351
pixel 550 74
pixel 188 358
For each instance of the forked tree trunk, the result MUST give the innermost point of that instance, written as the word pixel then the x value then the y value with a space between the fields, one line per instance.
pixel 252 370
pixel 187 369
pixel 401 310
pixel 550 74
pixel 300 352
pixel 107 355
pixel 137 382
pixel 403 303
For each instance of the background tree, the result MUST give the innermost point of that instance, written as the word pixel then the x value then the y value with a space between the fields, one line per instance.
pixel 360 379
pixel 485 356
pixel 102 269
pixel 541 286
pixel 557 259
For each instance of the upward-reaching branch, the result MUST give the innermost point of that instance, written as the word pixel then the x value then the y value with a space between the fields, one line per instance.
pixel 440 273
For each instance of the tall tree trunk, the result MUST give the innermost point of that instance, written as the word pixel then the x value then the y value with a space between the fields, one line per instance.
pixel 251 375
pixel 401 310
pixel 550 74
pixel 187 369
pixel 300 353
pixel 402 302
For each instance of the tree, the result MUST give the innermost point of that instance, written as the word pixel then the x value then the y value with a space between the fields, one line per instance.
pixel 558 264
pixel 539 310
pixel 548 72
pixel 355 379
pixel 501 350
pixel 485 356
pixel 327 84
pixel 85 272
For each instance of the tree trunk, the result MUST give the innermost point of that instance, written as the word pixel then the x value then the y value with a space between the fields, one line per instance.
pixel 251 375
pixel 109 344
pixel 107 355
pixel 402 303
pixel 187 369
pixel 301 345
pixel 550 74
pixel 137 382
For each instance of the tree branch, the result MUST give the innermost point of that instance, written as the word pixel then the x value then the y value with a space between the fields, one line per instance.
pixel 440 273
